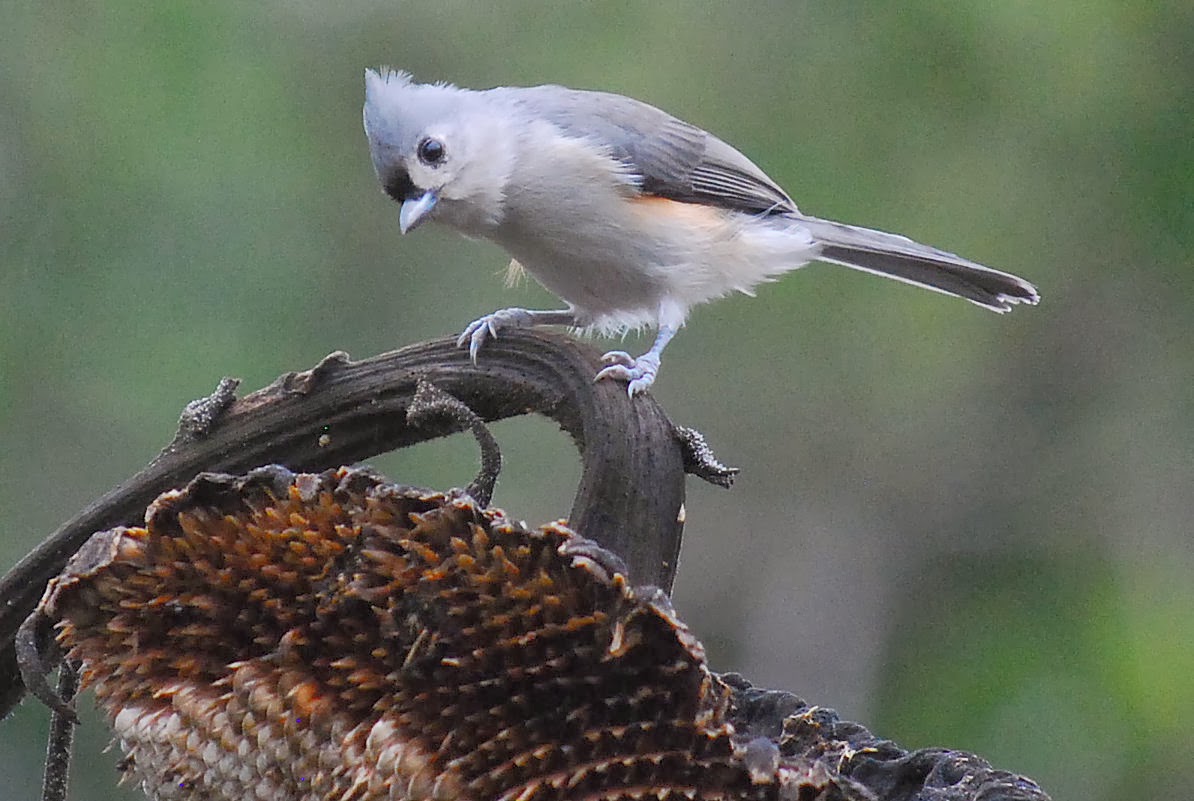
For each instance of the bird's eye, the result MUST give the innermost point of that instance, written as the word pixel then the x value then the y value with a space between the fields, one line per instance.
pixel 431 151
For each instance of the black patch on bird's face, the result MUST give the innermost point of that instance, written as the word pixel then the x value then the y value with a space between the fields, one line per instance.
pixel 398 185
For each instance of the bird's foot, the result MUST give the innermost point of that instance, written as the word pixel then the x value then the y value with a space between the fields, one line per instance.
pixel 487 327
pixel 638 373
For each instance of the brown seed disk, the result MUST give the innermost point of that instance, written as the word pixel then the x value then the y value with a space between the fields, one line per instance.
pixel 332 636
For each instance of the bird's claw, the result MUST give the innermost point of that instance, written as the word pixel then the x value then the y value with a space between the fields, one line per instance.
pixel 487 327
pixel 639 374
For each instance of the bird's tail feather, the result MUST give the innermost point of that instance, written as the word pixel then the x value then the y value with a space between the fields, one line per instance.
pixel 901 258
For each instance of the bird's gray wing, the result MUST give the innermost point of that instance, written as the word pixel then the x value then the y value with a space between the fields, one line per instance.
pixel 674 159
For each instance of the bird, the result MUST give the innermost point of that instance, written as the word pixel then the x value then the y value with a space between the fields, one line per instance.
pixel 629 215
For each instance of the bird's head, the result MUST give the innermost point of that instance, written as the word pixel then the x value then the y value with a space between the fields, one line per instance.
pixel 438 150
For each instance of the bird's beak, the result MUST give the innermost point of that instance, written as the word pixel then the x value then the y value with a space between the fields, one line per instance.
pixel 415 210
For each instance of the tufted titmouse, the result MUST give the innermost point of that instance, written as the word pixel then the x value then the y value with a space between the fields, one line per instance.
pixel 629 215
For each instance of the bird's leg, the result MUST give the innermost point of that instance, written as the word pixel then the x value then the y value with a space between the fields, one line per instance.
pixel 487 327
pixel 639 373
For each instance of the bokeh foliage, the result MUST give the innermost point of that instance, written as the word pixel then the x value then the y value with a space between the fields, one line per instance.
pixel 958 528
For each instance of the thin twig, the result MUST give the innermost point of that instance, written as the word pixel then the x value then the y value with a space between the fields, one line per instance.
pixel 56 779
pixel 431 401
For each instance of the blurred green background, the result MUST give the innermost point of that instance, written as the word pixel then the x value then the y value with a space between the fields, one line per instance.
pixel 960 529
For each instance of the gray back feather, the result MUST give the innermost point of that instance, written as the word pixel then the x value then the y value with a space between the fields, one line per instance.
pixel 674 159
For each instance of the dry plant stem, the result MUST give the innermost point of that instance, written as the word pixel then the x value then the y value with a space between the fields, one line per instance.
pixel 56 779
pixel 431 401
pixel 339 412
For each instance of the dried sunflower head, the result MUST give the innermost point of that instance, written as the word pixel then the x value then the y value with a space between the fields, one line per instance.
pixel 333 636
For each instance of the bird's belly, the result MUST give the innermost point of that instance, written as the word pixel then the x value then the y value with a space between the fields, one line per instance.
pixel 610 277
pixel 618 260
